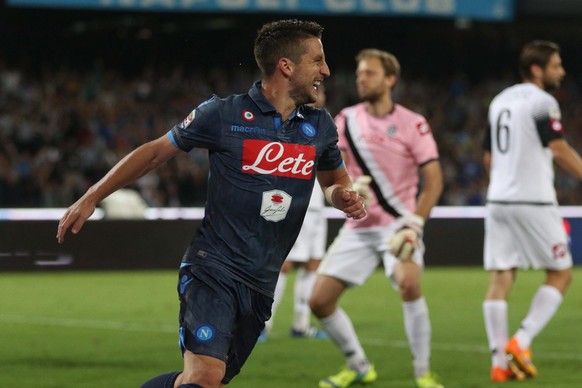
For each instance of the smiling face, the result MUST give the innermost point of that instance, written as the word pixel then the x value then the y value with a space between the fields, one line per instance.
pixel 308 73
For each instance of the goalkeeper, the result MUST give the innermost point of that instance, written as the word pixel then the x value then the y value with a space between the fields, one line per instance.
pixel 390 149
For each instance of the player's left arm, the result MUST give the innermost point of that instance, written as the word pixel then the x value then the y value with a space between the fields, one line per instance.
pixel 404 242
pixel 566 157
pixel 432 188
pixel 337 186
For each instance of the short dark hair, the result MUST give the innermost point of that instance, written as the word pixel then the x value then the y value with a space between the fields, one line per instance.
pixel 537 52
pixel 283 38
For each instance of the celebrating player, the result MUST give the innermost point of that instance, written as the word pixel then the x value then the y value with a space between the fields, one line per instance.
pixel 265 149
pixel 523 227
pixel 386 146
pixel 305 255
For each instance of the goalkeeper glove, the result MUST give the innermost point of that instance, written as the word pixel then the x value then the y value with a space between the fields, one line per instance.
pixel 403 243
pixel 362 187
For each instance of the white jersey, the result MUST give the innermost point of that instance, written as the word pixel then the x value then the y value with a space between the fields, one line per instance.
pixel 312 239
pixel 523 119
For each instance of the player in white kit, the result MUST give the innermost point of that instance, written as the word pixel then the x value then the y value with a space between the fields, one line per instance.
pixel 523 227
pixel 394 147
pixel 305 255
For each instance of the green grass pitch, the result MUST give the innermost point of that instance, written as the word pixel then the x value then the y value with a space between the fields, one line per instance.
pixel 117 329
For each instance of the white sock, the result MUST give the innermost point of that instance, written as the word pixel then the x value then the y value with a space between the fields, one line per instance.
pixel 341 330
pixel 418 331
pixel 277 298
pixel 303 286
pixel 496 326
pixel 543 307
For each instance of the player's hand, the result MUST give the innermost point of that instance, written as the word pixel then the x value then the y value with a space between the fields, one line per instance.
pixel 74 218
pixel 362 186
pixel 352 203
pixel 404 242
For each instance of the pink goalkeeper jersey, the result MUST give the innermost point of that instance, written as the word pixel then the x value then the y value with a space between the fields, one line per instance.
pixel 390 149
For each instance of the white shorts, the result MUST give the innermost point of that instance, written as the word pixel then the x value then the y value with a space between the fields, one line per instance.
pixel 312 239
pixel 525 236
pixel 356 253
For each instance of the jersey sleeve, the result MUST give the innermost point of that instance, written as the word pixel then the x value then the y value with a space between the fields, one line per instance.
pixel 201 129
pixel 340 122
pixel 423 146
pixel 547 117
pixel 331 157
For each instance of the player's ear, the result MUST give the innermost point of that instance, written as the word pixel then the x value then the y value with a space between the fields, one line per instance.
pixel 391 81
pixel 536 71
pixel 285 66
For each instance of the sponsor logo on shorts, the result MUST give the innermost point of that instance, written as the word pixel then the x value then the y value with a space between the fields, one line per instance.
pixel 559 251
pixel 204 333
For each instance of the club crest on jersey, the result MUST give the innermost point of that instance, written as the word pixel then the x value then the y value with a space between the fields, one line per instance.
pixel 189 119
pixel 391 131
pixel 308 130
pixel 204 333
pixel 423 128
pixel 275 205
pixel 248 115
pixel 280 159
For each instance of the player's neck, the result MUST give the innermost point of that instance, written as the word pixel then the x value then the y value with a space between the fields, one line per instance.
pixel 380 107
pixel 279 98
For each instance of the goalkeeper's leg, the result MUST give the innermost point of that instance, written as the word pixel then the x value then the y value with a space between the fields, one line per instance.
pixel 416 317
pixel 336 322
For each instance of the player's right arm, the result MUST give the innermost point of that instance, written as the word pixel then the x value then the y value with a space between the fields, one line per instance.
pixel 132 167
pixel 566 157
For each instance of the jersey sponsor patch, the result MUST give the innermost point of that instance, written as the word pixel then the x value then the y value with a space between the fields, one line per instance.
pixel 556 125
pixel 280 159
pixel 189 119
pixel 275 205
pixel 423 128
pixel 248 115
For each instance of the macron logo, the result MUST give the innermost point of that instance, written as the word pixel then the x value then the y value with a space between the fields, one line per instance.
pixel 280 159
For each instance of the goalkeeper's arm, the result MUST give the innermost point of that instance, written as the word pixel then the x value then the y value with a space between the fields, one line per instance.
pixel 405 241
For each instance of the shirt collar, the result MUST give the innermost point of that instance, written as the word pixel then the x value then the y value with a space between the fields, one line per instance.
pixel 266 107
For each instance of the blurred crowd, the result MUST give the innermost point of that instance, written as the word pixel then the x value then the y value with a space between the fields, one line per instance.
pixel 61 129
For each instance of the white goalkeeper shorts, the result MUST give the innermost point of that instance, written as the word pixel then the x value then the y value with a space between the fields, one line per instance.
pixel 525 236
pixel 356 253
pixel 312 239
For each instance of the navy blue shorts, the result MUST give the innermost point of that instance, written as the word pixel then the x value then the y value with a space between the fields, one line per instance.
pixel 219 316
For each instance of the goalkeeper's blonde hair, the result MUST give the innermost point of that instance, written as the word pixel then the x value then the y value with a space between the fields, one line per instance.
pixel 389 61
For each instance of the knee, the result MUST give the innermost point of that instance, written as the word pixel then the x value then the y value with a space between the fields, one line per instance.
pixel 410 288
pixel 320 307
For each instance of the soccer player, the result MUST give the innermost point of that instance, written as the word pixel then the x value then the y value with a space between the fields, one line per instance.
pixel 266 148
pixel 305 255
pixel 523 227
pixel 394 147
